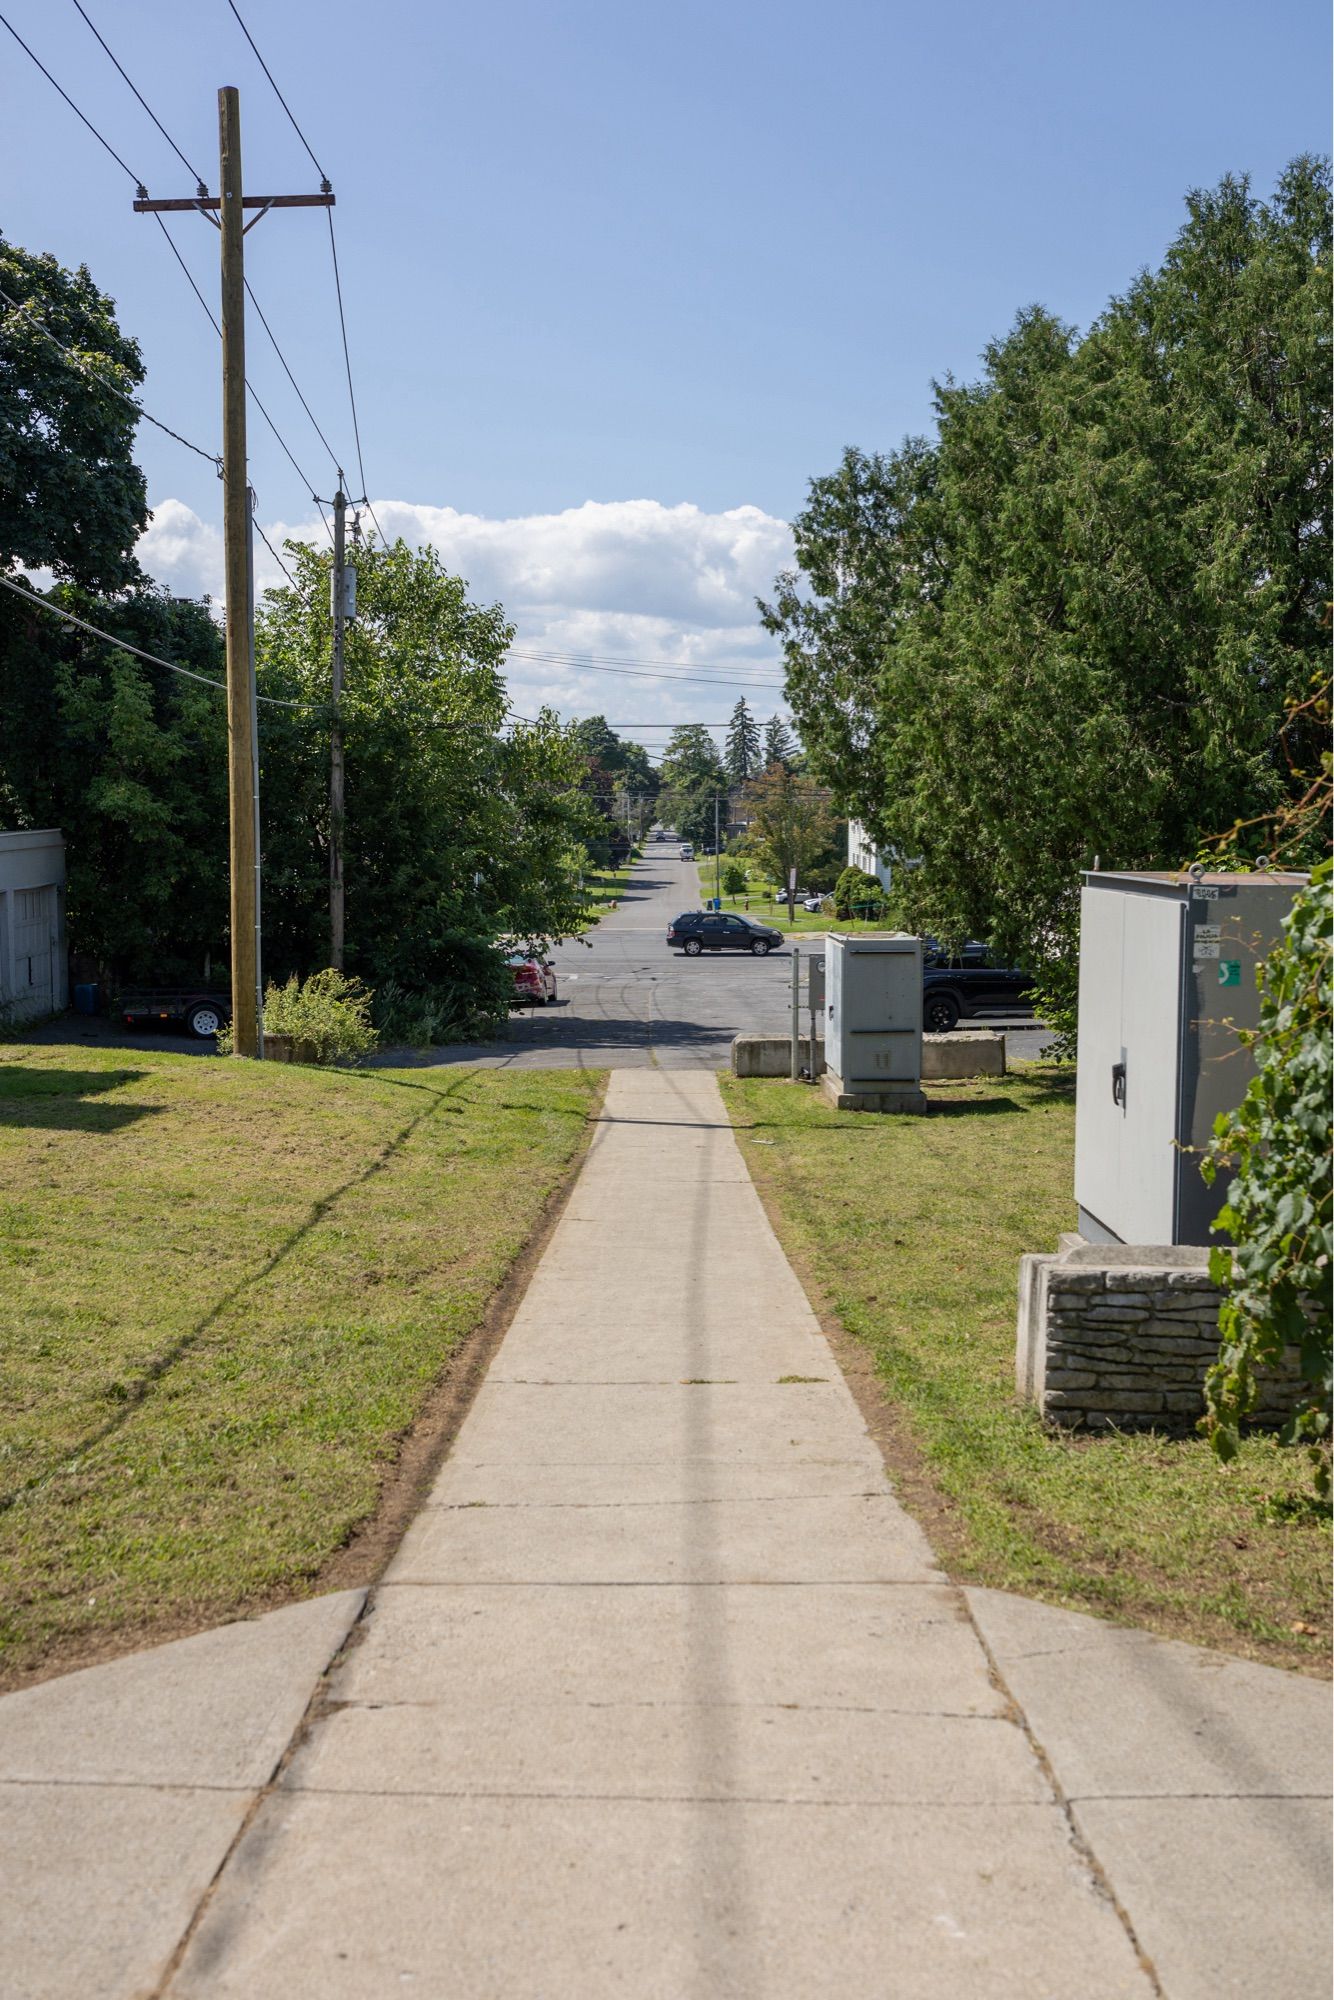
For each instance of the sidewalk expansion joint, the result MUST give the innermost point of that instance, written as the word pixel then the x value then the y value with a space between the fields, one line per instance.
pixel 621 1506
pixel 938 1581
pixel 574 1702
pixel 310 1716
pixel 690 1799
pixel 1075 1834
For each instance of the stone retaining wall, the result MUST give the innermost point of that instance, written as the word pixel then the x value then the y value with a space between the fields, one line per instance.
pixel 1117 1344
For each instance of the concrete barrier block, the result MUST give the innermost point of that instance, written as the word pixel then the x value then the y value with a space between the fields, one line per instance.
pixel 771 1055
pixel 963 1053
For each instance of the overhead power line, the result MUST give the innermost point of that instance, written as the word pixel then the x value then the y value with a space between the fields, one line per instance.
pixel 114 387
pixel 337 464
pixel 277 93
pixel 101 140
pixel 637 660
pixel 199 178
pixel 139 183
pixel 124 646
pixel 290 455
pixel 337 274
pixel 641 673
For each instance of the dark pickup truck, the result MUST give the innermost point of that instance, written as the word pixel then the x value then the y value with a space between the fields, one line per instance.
pixel 191 1007
pixel 967 986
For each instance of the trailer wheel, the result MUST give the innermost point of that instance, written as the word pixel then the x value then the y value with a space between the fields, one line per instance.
pixel 203 1021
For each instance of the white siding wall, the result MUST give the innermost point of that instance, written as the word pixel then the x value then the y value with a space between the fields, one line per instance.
pixel 862 855
pixel 34 978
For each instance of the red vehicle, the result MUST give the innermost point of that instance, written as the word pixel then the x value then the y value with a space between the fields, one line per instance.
pixel 534 980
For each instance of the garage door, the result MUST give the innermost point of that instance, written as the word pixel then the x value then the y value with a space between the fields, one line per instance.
pixel 34 939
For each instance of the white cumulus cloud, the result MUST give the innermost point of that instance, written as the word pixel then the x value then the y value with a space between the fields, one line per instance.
pixel 632 582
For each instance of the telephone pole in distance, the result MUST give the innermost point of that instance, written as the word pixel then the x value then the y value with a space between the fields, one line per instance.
pixel 338 586
pixel 225 211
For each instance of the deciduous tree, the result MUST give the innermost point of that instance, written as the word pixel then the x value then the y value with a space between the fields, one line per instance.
pixel 1071 622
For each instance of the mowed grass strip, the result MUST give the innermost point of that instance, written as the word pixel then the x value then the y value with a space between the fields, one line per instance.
pixel 225 1291
pixel 910 1230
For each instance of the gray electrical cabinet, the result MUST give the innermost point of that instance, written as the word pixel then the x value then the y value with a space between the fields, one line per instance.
pixel 873 1020
pixel 1167 967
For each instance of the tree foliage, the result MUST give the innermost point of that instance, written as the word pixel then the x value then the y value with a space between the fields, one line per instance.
pixel 693 776
pixel 72 499
pixel 791 825
pixel 1276 1278
pixel 857 894
pixel 456 834
pixel 130 761
pixel 742 750
pixel 1069 625
pixel 779 745
pixel 621 785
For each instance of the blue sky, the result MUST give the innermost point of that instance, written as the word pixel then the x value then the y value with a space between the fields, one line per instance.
pixel 603 254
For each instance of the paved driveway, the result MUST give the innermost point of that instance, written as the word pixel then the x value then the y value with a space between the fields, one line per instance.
pixel 626 1002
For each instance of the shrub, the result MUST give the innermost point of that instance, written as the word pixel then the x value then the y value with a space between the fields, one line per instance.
pixel 735 878
pixel 857 894
pixel 328 1012
pixel 1277 1279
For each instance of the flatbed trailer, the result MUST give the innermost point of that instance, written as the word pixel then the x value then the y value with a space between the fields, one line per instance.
pixel 195 1008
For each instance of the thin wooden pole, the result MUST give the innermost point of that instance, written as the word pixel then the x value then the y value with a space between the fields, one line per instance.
pixel 339 586
pixel 236 547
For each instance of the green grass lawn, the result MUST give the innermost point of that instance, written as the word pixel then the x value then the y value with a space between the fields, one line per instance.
pixel 227 1290
pixel 605 885
pixel 910 1230
pixel 758 902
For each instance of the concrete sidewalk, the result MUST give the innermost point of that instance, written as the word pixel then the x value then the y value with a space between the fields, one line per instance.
pixel 664 1694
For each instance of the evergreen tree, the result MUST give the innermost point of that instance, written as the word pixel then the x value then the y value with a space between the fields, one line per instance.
pixel 742 754
pixel 779 745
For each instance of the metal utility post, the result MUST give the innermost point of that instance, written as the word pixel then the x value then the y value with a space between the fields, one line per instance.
pixel 226 211
pixel 717 858
pixel 796 1014
pixel 339 588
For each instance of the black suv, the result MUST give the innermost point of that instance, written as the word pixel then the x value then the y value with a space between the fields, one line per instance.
pixel 709 930
pixel 956 989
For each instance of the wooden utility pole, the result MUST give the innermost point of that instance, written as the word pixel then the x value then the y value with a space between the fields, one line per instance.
pixel 236 557
pixel 339 587
pixel 226 211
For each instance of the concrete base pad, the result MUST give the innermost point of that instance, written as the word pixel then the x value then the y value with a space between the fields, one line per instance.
pixel 901 1097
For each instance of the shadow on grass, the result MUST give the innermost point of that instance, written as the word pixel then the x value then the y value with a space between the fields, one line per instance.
pixel 57 1099
pixel 976 1107
pixel 138 1390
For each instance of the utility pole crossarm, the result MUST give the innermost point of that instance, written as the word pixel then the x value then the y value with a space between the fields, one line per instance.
pixel 208 202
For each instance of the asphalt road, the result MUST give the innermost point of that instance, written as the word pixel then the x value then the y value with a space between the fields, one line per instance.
pixel 626 1002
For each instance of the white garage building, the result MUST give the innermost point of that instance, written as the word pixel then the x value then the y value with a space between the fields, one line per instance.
pixel 34 976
